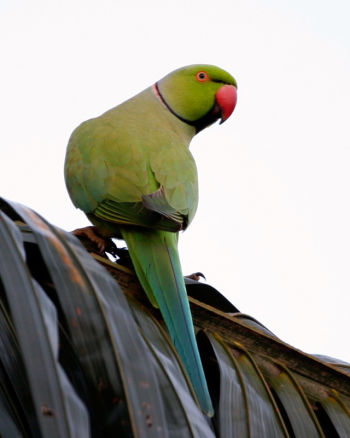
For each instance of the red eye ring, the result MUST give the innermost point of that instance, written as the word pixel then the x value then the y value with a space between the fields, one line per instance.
pixel 202 76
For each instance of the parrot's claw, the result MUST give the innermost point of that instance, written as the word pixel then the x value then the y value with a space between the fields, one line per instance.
pixel 196 276
pixel 92 235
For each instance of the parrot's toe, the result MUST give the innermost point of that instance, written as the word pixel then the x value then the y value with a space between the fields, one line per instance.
pixel 92 239
pixel 196 276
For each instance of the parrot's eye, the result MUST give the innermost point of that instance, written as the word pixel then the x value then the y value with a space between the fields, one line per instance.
pixel 202 76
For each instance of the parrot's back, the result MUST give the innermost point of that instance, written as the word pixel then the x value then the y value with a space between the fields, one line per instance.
pixel 129 152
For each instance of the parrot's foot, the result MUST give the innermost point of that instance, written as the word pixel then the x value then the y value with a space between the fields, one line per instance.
pixel 93 237
pixel 92 240
pixel 196 276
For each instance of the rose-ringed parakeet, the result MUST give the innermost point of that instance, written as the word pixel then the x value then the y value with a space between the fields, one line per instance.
pixel 130 170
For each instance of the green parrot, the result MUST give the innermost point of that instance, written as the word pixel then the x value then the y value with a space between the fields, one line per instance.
pixel 130 170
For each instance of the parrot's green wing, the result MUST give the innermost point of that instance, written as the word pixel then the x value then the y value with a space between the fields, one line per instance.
pixel 153 212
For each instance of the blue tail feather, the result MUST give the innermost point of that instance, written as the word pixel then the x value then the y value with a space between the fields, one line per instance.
pixel 157 265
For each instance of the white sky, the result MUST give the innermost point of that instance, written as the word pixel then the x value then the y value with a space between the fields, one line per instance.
pixel 272 229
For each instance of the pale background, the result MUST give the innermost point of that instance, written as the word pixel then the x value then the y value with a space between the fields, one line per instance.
pixel 272 229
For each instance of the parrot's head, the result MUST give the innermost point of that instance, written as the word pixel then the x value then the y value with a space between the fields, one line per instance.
pixel 199 94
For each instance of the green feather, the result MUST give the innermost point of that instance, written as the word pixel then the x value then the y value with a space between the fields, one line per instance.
pixel 156 261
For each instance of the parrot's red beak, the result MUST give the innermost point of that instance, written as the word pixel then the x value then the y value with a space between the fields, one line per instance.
pixel 226 99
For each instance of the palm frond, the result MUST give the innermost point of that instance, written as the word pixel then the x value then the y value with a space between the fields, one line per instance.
pixel 83 354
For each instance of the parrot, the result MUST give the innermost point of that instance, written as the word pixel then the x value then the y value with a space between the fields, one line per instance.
pixel 131 172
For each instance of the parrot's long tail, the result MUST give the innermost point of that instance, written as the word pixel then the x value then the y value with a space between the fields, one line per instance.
pixel 156 261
